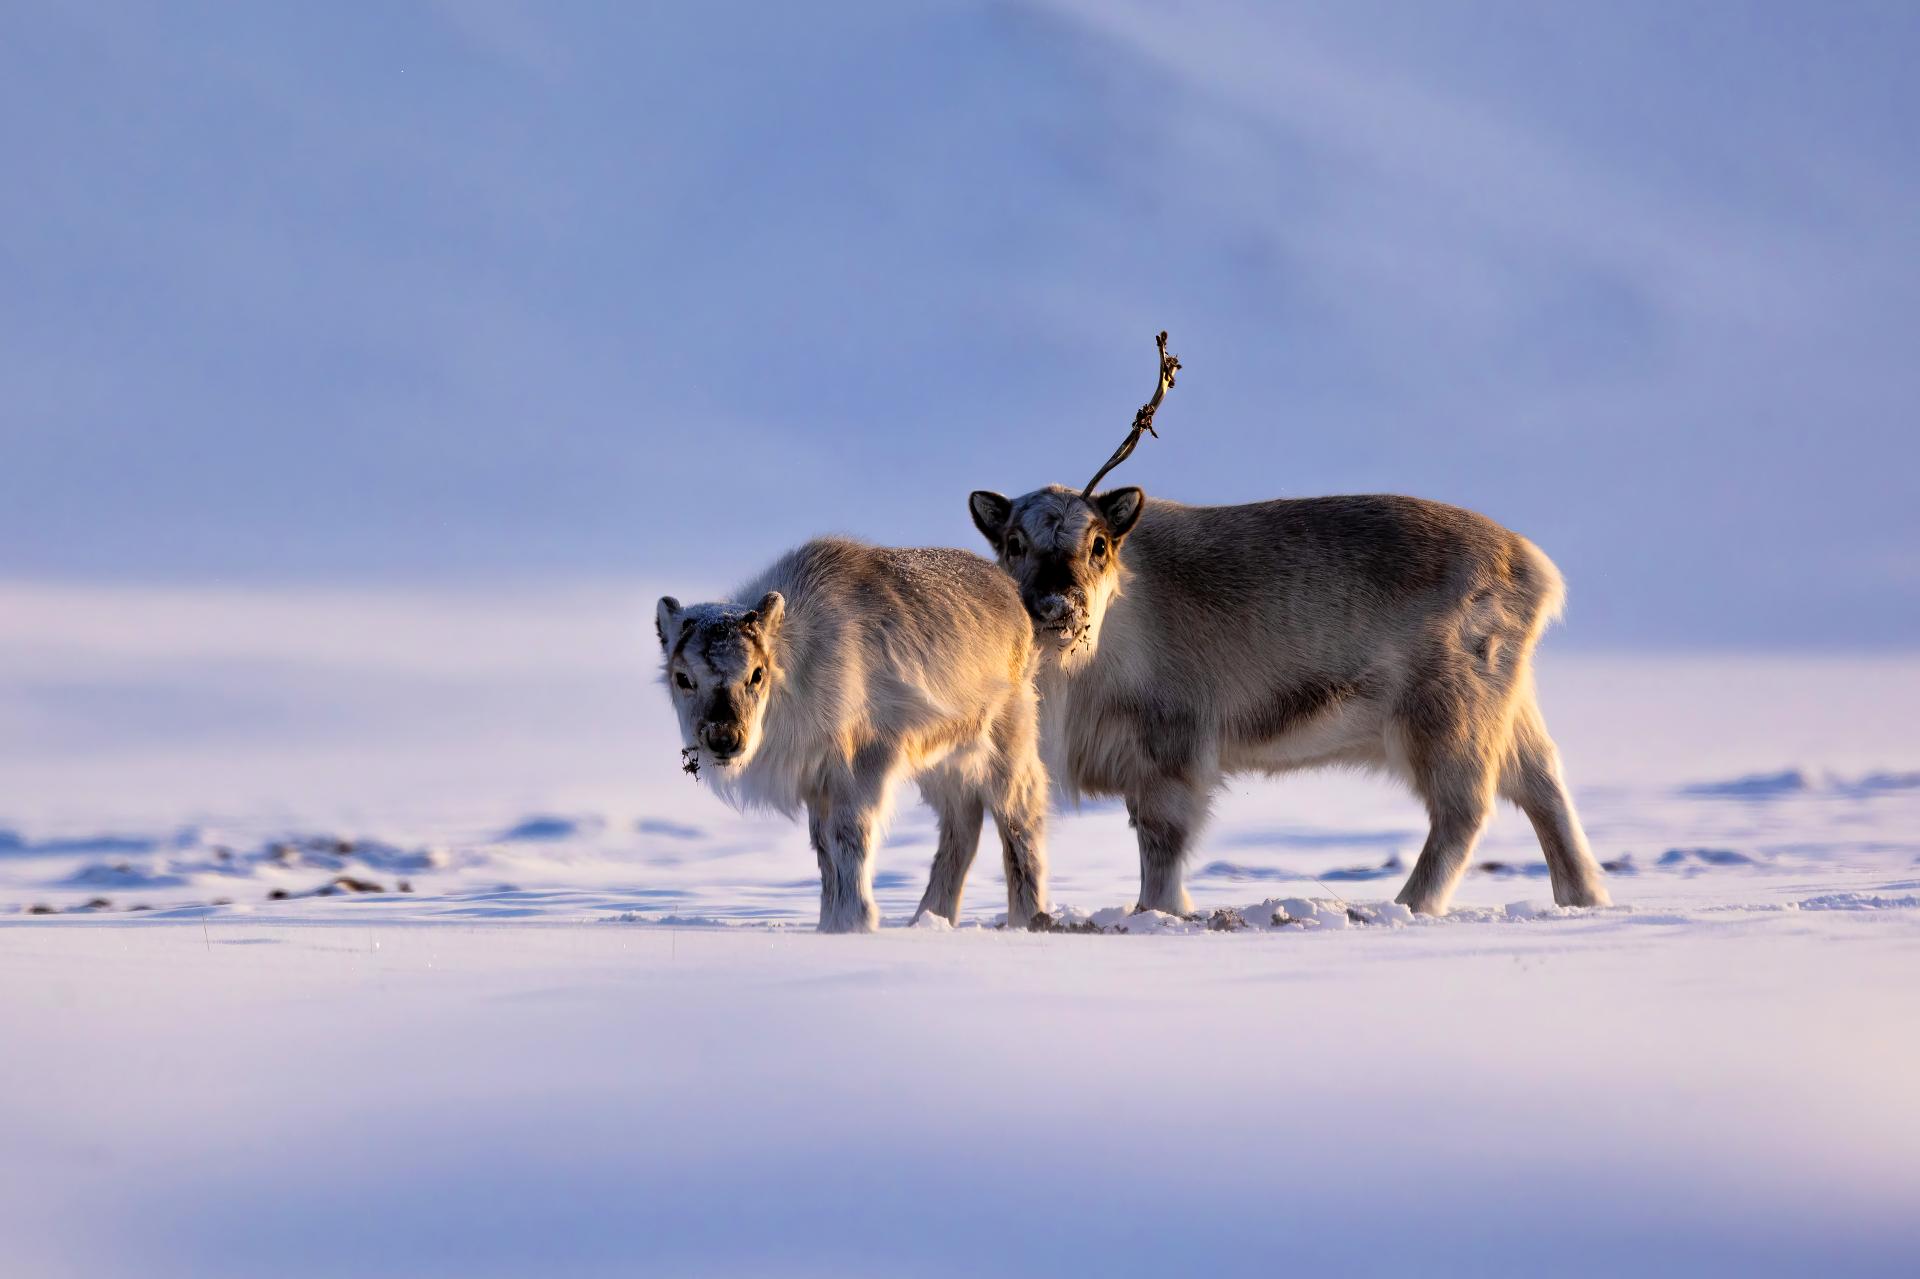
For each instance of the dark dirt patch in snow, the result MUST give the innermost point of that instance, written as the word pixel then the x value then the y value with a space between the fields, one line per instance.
pixel 1385 870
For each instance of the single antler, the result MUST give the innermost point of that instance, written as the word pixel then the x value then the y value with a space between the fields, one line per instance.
pixel 1143 420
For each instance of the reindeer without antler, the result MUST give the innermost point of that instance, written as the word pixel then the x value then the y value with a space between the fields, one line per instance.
pixel 861 667
pixel 1184 644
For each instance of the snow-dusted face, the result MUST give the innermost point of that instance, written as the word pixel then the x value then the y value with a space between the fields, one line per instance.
pixel 719 670
pixel 1064 553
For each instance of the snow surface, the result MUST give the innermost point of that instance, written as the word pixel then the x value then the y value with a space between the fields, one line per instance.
pixel 445 969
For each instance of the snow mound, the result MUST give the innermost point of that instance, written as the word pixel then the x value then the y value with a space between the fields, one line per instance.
pixel 1790 781
pixel 1696 857
pixel 1881 783
pixel 387 857
pixel 1239 873
pixel 675 921
pixel 666 829
pixel 123 875
pixel 1298 912
pixel 102 845
pixel 1148 922
pixel 545 827
pixel 1794 781
pixel 1539 910
pixel 1858 901
pixel 1072 919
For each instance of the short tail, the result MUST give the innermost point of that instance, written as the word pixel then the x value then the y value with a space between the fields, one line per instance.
pixel 1537 576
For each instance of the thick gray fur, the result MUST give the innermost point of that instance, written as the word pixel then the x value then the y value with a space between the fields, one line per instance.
pixel 875 665
pixel 1183 644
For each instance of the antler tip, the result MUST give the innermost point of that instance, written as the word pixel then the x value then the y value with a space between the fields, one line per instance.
pixel 1143 420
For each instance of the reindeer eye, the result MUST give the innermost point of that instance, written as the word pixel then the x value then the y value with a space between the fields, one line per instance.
pixel 758 671
pixel 680 678
pixel 1016 545
pixel 1099 547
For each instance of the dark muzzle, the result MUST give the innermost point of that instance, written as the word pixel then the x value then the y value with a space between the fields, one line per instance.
pixel 723 741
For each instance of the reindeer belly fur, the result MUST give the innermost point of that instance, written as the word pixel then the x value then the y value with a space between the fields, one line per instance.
pixel 1346 732
pixel 1092 746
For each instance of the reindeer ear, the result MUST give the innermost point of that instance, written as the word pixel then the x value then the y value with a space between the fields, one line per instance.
pixel 666 618
pixel 990 514
pixel 1121 509
pixel 766 615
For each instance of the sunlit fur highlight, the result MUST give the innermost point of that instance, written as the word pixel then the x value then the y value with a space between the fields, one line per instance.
pixel 885 665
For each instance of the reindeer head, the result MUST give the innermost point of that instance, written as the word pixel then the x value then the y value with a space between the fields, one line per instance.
pixel 720 669
pixel 1063 547
pixel 1063 550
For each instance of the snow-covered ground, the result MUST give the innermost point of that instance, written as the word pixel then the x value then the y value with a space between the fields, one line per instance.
pixel 383 936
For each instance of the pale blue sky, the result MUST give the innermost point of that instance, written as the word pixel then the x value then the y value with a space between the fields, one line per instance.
pixel 478 292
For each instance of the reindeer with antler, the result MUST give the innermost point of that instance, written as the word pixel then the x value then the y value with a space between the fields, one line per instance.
pixel 1184 644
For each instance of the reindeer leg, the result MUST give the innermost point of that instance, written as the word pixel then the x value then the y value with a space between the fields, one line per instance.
pixel 857 802
pixel 958 806
pixel 1167 815
pixel 1532 780
pixel 1016 792
pixel 817 818
pixel 1454 773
